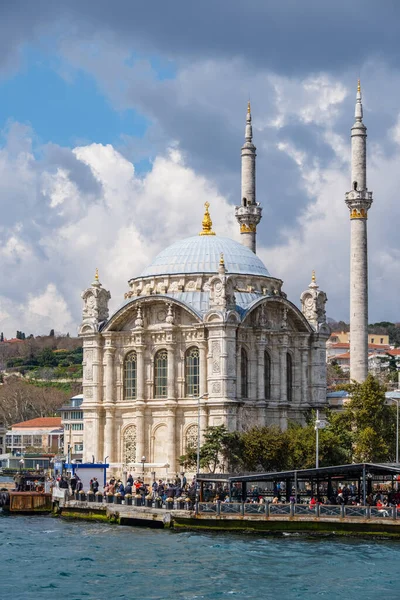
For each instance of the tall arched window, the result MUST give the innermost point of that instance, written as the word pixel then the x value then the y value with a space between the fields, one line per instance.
pixel 289 377
pixel 267 376
pixel 129 450
pixel 244 373
pixel 192 372
pixel 130 376
pixel 161 374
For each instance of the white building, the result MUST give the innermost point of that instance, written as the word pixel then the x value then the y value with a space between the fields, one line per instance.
pixel 204 319
pixel 72 422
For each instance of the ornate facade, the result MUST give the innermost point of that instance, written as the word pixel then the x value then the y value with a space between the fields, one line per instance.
pixel 205 335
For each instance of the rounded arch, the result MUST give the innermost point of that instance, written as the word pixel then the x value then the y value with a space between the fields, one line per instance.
pixel 129 444
pixel 302 324
pixel 159 438
pixel 130 375
pixel 192 371
pixel 128 310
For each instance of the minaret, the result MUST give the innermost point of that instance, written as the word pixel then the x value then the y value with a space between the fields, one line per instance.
pixel 359 201
pixel 248 213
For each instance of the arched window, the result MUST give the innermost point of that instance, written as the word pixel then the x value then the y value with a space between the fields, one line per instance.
pixel 244 373
pixel 130 376
pixel 161 374
pixel 192 372
pixel 267 376
pixel 191 437
pixel 129 450
pixel 289 377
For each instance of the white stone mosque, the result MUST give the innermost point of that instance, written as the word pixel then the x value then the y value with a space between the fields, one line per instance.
pixel 205 336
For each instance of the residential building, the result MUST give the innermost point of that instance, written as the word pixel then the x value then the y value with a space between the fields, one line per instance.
pixel 43 433
pixel 72 421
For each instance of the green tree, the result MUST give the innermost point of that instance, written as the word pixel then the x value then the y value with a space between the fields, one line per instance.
pixel 264 448
pixel 368 412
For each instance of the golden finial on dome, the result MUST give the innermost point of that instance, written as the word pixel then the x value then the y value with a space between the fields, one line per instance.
pixel 207 223
pixel 96 274
pixel 221 259
pixel 313 278
pixel 359 86
pixel 248 107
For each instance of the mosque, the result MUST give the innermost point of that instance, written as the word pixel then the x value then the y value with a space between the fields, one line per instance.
pixel 205 336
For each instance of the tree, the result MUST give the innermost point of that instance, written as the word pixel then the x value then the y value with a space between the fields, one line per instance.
pixel 212 451
pixel 371 421
pixel 264 448
pixel 51 334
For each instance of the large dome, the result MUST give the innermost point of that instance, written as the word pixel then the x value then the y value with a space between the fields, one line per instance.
pixel 201 254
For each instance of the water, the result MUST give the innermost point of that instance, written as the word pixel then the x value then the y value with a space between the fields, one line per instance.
pixel 47 558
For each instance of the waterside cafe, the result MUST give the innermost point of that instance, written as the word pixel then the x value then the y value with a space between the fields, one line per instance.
pixel 322 483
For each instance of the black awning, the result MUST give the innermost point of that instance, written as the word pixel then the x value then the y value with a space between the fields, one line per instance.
pixel 351 471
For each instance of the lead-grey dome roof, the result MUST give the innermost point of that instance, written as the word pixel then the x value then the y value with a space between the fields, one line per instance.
pixel 201 254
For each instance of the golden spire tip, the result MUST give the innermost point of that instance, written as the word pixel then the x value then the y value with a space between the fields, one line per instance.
pixel 248 107
pixel 221 259
pixel 96 275
pixel 359 86
pixel 313 278
pixel 207 223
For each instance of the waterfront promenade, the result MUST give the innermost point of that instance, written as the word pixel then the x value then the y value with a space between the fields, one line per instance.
pixel 357 520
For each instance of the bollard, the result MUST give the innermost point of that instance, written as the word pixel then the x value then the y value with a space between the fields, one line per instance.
pixel 342 511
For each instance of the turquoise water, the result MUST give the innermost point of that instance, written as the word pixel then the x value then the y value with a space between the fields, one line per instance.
pixel 47 558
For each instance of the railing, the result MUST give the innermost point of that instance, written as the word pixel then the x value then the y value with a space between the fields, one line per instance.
pixel 322 511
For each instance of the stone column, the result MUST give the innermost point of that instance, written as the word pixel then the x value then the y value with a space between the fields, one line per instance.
pixel 260 370
pixel 203 419
pixel 238 375
pixel 171 443
pixel 283 372
pixel 140 438
pixel 203 369
pixel 140 372
pixel 109 373
pixel 171 371
pixel 304 375
pixel 109 441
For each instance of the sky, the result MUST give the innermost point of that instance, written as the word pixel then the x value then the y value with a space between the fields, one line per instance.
pixel 118 121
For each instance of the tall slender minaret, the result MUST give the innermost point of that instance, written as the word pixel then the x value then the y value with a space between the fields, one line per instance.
pixel 359 201
pixel 248 214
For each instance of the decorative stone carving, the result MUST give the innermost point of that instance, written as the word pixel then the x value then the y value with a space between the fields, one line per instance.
pixel 313 302
pixel 170 315
pixel 95 308
pixel 139 318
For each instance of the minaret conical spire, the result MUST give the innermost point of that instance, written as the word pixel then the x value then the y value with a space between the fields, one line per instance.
pixel 359 110
pixel 248 214
pixel 359 201
pixel 248 136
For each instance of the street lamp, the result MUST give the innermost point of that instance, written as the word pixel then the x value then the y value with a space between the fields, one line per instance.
pixel 143 460
pixel 319 424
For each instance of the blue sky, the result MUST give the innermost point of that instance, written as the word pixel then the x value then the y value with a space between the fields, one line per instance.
pixel 119 122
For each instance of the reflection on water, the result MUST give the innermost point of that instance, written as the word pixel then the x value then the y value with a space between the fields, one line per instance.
pixel 47 558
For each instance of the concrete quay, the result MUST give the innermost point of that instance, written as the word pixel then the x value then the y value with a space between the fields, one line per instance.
pixel 258 522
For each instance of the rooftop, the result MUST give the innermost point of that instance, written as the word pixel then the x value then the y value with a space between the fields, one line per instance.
pixel 51 422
